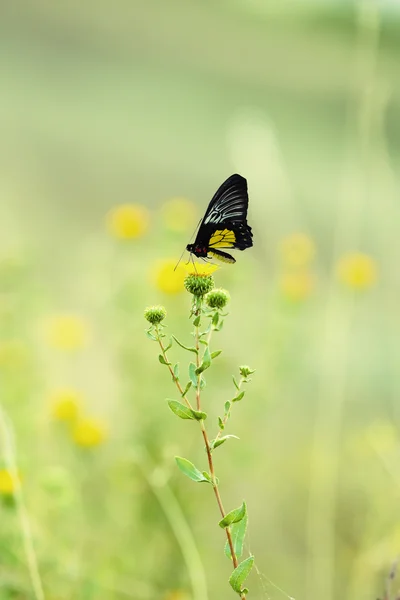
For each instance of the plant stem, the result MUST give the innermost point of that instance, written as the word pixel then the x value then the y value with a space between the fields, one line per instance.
pixel 178 385
pixel 207 444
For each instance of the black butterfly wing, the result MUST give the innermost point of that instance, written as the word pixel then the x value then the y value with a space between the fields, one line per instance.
pixel 225 223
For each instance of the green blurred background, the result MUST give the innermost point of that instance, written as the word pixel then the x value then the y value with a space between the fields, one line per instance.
pixel 111 104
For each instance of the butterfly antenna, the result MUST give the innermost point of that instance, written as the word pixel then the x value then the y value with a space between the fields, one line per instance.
pixel 191 237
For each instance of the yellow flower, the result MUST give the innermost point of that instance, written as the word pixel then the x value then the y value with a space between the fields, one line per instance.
pixel 13 354
pixel 8 482
pixel 200 268
pixel 128 221
pixel 297 250
pixel 177 595
pixel 65 404
pixel 166 279
pixel 66 332
pixel 89 433
pixel 179 214
pixel 383 437
pixel 357 270
pixel 296 286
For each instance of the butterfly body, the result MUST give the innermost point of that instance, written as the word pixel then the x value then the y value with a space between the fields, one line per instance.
pixel 225 222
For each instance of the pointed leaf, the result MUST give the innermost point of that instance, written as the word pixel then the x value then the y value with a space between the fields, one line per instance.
pixel 227 407
pixel 203 382
pixel 192 374
pixel 207 476
pixel 241 573
pixel 169 345
pixel 182 411
pixel 234 516
pixel 187 388
pixel 238 397
pixel 206 362
pixel 176 371
pixel 196 321
pixel 151 336
pixel 221 424
pixel 189 348
pixel 238 532
pixel 215 354
pixel 190 470
pixel 215 318
pixel 199 415
pixel 218 442
pixel 162 360
pixel 235 383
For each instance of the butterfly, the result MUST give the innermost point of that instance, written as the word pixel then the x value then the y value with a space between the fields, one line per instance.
pixel 224 225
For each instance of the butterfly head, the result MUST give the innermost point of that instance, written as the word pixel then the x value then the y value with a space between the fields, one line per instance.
pixel 197 250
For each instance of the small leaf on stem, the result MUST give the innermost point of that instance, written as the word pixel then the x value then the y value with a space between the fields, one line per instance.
pixel 206 362
pixel 221 424
pixel 238 532
pixel 181 411
pixel 190 470
pixel 176 371
pixel 235 383
pixel 215 353
pixel 151 336
pixel 234 516
pixel 162 360
pixel 192 374
pixel 240 574
pixel 219 441
pixel 189 348
pixel 187 388
pixel 238 397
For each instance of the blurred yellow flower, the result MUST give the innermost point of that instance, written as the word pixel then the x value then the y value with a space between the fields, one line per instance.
pixel 8 482
pixel 66 332
pixel 177 595
pixel 128 221
pixel 13 354
pixel 297 250
pixel 357 270
pixel 179 214
pixel 166 279
pixel 89 433
pixel 297 285
pixel 382 436
pixel 65 404
pixel 200 268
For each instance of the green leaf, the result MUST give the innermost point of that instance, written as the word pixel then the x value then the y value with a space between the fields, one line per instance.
pixel 162 360
pixel 221 424
pixel 207 476
pixel 238 397
pixel 218 442
pixel 190 470
pixel 215 354
pixel 234 516
pixel 192 374
pixel 206 331
pixel 196 321
pixel 151 336
pixel 176 371
pixel 199 415
pixel 240 574
pixel 187 388
pixel 203 382
pixel 227 407
pixel 182 411
pixel 238 532
pixel 215 318
pixel 189 348
pixel 169 345
pixel 206 362
pixel 235 383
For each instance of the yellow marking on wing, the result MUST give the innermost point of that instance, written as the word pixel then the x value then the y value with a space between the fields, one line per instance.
pixel 226 259
pixel 222 238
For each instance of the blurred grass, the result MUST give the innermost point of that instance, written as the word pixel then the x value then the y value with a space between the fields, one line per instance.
pixel 110 104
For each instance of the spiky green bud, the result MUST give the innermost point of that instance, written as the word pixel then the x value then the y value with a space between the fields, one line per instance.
pixel 218 298
pixel 198 284
pixel 155 314
pixel 245 371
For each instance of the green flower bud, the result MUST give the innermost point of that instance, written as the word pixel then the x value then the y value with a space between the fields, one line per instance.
pixel 198 284
pixel 155 314
pixel 245 371
pixel 218 298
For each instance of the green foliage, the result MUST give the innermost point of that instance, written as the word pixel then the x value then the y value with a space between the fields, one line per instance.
pixel 193 374
pixel 188 348
pixel 190 470
pixel 238 533
pixel 162 360
pixel 240 575
pixel 206 362
pixel 234 516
